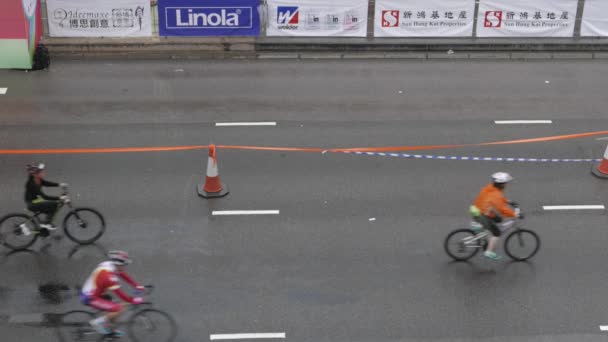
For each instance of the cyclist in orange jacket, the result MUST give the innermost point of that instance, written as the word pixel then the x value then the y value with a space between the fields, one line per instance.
pixel 492 208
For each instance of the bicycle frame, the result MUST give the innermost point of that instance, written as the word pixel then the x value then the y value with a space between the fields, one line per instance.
pixel 66 203
pixel 485 233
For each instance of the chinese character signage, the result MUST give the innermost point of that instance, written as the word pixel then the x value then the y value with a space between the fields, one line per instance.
pixel 595 19
pixel 526 18
pixel 99 18
pixel 209 18
pixel 317 18
pixel 20 32
pixel 424 18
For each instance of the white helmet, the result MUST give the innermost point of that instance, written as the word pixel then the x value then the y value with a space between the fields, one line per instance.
pixel 501 177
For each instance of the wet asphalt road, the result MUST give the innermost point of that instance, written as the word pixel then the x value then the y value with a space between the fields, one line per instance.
pixel 323 269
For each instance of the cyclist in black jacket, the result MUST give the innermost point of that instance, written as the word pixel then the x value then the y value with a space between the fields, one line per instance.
pixel 36 200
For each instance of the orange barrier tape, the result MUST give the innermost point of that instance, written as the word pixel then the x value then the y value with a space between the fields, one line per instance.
pixel 103 150
pixel 261 148
pixel 545 139
pixel 297 149
pixel 437 147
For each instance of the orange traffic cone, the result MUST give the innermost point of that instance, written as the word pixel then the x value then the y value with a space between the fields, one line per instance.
pixel 213 187
pixel 601 169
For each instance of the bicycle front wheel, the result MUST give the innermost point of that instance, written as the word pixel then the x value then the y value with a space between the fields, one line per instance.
pixel 460 246
pixel 17 231
pixel 84 225
pixel 522 244
pixel 151 325
pixel 74 326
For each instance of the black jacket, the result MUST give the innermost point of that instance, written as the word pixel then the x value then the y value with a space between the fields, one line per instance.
pixel 33 191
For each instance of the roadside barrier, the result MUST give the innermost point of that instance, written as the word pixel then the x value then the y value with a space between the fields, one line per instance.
pixel 601 169
pixel 213 187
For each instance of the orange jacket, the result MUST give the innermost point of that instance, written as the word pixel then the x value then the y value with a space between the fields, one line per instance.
pixel 492 201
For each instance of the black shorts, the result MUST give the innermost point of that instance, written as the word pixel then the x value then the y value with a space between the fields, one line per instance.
pixel 489 224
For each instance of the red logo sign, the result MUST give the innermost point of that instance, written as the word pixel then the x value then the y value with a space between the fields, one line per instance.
pixel 390 18
pixel 493 19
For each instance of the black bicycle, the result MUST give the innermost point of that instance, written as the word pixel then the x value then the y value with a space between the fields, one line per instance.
pixel 82 225
pixel 143 324
pixel 520 244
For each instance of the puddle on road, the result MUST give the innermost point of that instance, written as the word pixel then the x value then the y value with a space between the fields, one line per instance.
pixel 54 293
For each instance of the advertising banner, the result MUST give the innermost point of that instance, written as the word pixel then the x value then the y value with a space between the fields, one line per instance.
pixel 20 32
pixel 317 18
pixel 526 18
pixel 595 19
pixel 99 18
pixel 424 18
pixel 209 18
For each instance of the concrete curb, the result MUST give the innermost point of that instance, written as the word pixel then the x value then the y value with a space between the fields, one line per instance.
pixel 327 48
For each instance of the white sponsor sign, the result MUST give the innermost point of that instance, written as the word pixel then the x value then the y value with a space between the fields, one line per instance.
pixel 424 18
pixel 526 18
pixel 317 18
pixel 595 18
pixel 99 18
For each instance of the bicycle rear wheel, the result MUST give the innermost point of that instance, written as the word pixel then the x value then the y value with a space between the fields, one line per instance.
pixel 522 244
pixel 458 245
pixel 74 326
pixel 151 325
pixel 17 231
pixel 84 225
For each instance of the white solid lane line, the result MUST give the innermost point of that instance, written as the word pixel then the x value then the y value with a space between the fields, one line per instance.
pixel 522 122
pixel 244 212
pixel 574 207
pixel 3 91
pixel 604 327
pixel 245 336
pixel 604 138
pixel 232 124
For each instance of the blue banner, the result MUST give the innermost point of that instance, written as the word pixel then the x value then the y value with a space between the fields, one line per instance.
pixel 208 18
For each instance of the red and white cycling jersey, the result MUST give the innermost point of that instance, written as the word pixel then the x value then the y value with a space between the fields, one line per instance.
pixel 105 278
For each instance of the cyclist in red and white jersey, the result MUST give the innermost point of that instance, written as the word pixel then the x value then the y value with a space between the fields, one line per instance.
pixel 103 281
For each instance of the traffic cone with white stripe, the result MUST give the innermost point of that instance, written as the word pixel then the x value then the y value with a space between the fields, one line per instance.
pixel 213 187
pixel 601 169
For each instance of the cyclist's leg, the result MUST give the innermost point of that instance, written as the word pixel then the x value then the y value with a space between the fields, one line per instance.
pixel 48 208
pixel 112 311
pixel 494 238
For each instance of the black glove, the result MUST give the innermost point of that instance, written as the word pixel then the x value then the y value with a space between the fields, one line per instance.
pixel 513 204
pixel 521 216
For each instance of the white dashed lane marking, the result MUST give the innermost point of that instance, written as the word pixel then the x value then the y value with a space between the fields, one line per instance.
pixel 574 207
pixel 244 212
pixel 242 124
pixel 522 122
pixel 246 336
pixel 3 91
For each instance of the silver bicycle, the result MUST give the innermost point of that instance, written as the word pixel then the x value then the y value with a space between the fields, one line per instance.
pixel 519 244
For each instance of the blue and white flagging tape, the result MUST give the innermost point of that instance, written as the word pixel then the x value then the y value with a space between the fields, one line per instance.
pixel 495 159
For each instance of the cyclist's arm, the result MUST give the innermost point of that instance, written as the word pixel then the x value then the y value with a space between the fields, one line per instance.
pixel 45 196
pixel 128 279
pixel 125 297
pixel 502 206
pixel 49 184
pixel 38 194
